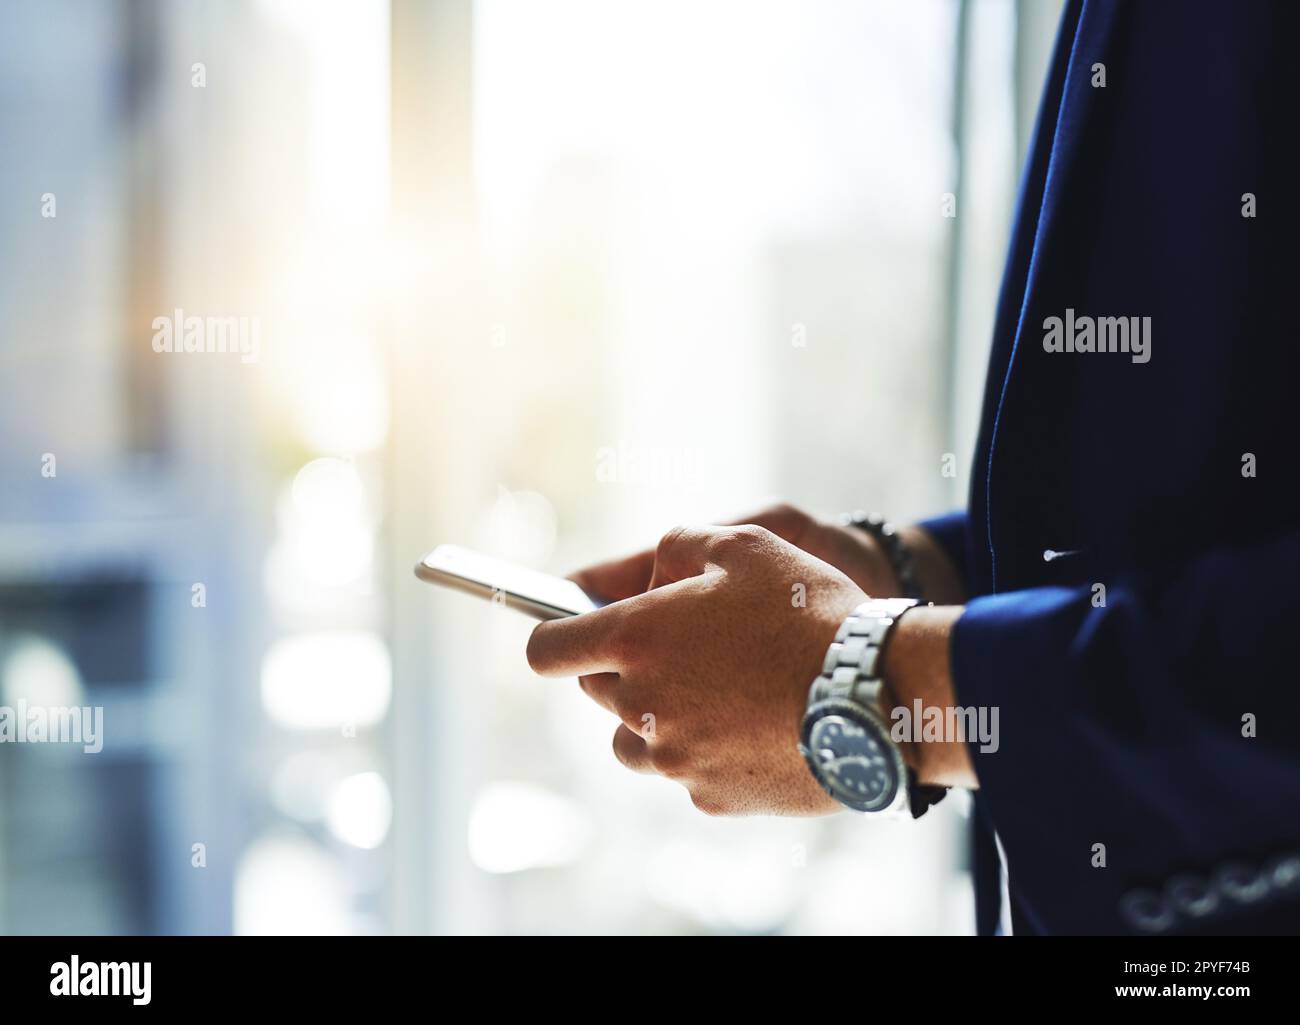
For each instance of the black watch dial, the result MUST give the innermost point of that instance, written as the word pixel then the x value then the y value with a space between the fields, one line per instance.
pixel 855 761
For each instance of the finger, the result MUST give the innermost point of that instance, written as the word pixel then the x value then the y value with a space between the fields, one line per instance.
pixel 602 688
pixel 578 645
pixel 631 750
pixel 619 578
pixel 627 577
pixel 782 519
pixel 615 694
pixel 690 551
pixel 683 552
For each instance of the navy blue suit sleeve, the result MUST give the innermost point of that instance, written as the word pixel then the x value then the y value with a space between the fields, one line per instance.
pixel 1126 720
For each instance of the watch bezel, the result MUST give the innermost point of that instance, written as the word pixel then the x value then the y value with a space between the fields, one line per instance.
pixel 867 720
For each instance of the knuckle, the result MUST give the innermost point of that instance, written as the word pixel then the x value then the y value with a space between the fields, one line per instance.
pixel 739 540
pixel 669 540
pixel 789 517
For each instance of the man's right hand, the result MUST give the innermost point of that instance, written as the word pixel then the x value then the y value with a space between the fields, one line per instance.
pixel 851 550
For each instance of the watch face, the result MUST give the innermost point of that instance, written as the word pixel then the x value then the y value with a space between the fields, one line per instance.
pixel 856 763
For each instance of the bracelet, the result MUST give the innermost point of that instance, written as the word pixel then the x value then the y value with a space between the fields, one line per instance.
pixel 900 559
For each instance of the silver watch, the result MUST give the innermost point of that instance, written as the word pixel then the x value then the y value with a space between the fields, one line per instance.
pixel 845 734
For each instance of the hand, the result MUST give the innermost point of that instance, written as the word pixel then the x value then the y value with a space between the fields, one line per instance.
pixel 851 550
pixel 709 667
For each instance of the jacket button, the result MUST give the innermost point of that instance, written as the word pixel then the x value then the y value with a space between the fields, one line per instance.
pixel 1284 873
pixel 1241 883
pixel 1147 911
pixel 1192 896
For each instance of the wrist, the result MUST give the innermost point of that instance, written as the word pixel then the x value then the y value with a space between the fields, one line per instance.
pixel 939 580
pixel 843 736
pixel 882 581
pixel 917 667
pixel 889 553
pixel 903 561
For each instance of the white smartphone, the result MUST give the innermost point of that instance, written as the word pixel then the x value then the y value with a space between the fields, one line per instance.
pixel 529 591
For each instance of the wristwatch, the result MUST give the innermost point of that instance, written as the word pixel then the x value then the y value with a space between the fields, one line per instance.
pixel 845 737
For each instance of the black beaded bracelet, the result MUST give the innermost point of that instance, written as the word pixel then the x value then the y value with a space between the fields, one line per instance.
pixel 900 559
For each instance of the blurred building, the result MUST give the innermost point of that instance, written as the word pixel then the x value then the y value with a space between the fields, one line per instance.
pixel 482 246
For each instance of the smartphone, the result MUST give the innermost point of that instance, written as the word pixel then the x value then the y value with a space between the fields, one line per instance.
pixel 529 591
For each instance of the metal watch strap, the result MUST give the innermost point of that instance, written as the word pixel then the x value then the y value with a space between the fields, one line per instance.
pixel 900 559
pixel 850 672
pixel 850 669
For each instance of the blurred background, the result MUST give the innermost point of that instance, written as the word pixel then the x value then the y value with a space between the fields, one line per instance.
pixel 543 278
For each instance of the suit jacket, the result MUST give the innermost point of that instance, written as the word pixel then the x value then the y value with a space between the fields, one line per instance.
pixel 1146 669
